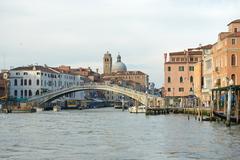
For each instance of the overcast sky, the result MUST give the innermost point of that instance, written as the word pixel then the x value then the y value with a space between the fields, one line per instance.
pixel 79 32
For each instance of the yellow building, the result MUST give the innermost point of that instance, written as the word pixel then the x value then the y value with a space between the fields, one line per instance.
pixel 198 79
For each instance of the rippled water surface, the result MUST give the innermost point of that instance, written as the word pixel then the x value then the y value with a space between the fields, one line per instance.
pixel 108 134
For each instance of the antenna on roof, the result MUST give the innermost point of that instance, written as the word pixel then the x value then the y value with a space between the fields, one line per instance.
pixel 4 61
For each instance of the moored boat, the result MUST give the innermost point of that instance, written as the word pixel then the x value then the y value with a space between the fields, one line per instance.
pixel 139 109
pixel 56 108
pixel 39 109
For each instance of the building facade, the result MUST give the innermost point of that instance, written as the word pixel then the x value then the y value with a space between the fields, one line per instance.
pixel 29 81
pixel 179 72
pixel 203 73
pixel 3 84
pixel 226 56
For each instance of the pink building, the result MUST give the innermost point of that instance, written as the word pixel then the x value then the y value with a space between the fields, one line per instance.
pixel 179 71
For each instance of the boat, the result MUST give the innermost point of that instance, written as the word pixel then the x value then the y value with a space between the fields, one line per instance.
pixel 139 109
pixel 39 109
pixel 221 115
pixel 71 104
pixel 56 108
pixel 120 107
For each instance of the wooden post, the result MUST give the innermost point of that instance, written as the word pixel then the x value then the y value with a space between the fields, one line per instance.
pixel 123 103
pixel 218 98
pixel 136 105
pixel 228 122
pixel 237 106
pixel 212 108
pixel 225 103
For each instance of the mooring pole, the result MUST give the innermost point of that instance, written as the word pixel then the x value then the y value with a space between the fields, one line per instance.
pixel 228 122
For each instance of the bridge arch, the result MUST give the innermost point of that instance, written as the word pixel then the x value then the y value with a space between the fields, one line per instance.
pixel 141 97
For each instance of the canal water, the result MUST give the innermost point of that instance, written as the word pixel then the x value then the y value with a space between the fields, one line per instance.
pixel 108 134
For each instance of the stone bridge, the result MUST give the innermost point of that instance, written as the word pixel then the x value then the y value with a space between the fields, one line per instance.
pixel 143 98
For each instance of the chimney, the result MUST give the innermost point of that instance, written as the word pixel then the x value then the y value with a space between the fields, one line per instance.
pixel 165 57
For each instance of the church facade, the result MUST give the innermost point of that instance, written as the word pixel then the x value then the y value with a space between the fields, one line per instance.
pixel 117 73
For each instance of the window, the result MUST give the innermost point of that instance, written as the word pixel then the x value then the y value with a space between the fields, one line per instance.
pixel 182 59
pixel 21 82
pixel 196 59
pixel 233 60
pixel 191 89
pixel 37 92
pixel 15 93
pixel 21 93
pixel 181 68
pixel 233 77
pixel 169 89
pixel 235 30
pixel 169 80
pixel 38 73
pixel 177 59
pixel 15 82
pixel 191 59
pixel 173 59
pixel 25 73
pixel 38 82
pixel 181 89
pixel 233 41
pixel 191 79
pixel 25 93
pixel 169 68
pixel 29 82
pixel 181 79
pixel 17 73
pixel 191 68
pixel 25 82
pixel 29 93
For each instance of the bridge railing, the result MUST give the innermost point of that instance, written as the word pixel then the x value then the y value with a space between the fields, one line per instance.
pixel 90 86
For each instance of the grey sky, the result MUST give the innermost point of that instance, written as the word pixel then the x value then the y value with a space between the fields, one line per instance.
pixel 79 32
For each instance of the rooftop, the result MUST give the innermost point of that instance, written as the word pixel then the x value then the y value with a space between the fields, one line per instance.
pixel 235 21
pixel 32 68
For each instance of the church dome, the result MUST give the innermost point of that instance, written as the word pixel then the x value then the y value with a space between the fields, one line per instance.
pixel 119 66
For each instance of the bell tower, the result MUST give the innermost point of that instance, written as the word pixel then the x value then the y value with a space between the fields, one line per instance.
pixel 107 63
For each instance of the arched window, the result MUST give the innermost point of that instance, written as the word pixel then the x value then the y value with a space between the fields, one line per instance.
pixel 233 60
pixel 25 82
pixel 29 82
pixel 15 93
pixel 38 82
pixel 37 92
pixel 29 93
pixel 169 80
pixel 233 77
pixel 15 82
pixel 191 79
pixel 181 79
pixel 21 93
pixel 25 93
pixel 21 82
